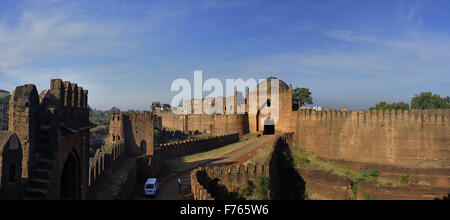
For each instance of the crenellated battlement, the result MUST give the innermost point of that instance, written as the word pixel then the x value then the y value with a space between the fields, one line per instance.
pixel 52 126
pixel 103 160
pixel 68 94
pixel 230 178
pixel 140 116
pixel 440 117
pixel 402 138
pixel 241 170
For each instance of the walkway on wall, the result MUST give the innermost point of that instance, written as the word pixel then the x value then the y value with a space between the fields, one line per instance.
pixel 168 190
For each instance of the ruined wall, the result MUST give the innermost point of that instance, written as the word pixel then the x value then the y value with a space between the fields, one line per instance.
pixel 196 145
pixel 418 138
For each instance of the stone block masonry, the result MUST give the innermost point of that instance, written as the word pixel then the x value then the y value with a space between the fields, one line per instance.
pixel 417 139
pixel 210 183
pixel 53 130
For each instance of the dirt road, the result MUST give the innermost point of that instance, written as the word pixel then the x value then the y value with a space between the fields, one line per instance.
pixel 169 190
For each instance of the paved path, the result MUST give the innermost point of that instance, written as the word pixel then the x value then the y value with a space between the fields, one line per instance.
pixel 169 190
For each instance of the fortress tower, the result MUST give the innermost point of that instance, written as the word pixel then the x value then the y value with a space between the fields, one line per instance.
pixel 52 132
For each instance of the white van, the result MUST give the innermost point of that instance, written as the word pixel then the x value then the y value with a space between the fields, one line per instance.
pixel 151 187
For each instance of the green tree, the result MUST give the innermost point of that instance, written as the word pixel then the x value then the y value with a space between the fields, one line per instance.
pixel 394 106
pixel 302 96
pixel 114 110
pixel 428 100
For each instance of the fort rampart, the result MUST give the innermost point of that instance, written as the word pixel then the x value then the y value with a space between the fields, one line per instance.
pixel 218 182
pixel 204 123
pixel 103 161
pixel 137 129
pixel 196 145
pixel 418 138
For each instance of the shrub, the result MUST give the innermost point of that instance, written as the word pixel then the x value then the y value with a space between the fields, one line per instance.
pixel 369 174
pixel 374 173
pixel 246 189
pixel 405 179
pixel 262 188
pixel 367 197
pixel 355 189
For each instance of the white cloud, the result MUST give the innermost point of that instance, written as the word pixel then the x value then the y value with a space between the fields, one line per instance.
pixel 48 39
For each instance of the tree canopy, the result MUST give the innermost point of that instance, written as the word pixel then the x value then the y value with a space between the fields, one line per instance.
pixel 5 99
pixel 114 110
pixel 428 100
pixel 394 106
pixel 302 96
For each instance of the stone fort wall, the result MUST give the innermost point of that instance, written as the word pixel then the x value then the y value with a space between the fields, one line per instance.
pixel 196 145
pixel 211 124
pixel 418 138
pixel 137 129
pixel 103 161
pixel 229 179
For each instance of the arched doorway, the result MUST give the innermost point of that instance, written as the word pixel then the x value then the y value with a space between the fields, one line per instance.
pixel 143 147
pixel 269 126
pixel 69 188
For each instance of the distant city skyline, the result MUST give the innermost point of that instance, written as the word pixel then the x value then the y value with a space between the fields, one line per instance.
pixel 127 53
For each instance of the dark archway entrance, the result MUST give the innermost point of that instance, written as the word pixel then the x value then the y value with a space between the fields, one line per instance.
pixel 269 126
pixel 143 147
pixel 70 185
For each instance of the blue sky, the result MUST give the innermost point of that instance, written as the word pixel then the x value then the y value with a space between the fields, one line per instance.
pixel 127 53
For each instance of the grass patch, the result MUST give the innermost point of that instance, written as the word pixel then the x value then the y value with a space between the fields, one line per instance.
pixel 180 164
pixel 367 197
pixel 404 179
pixel 109 186
pixel 310 161
pixel 258 190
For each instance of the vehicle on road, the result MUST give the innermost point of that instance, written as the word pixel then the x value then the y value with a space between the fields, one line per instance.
pixel 151 187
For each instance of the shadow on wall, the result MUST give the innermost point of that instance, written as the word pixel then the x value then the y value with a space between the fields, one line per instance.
pixel 217 190
pixel 285 181
pixel 130 144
